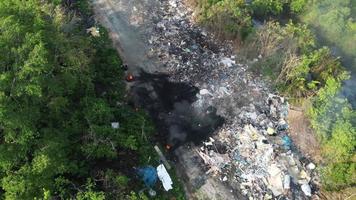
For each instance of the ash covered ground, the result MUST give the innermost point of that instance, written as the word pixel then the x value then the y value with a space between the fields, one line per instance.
pixel 228 128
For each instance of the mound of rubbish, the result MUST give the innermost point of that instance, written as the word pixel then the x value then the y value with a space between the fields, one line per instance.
pixel 252 150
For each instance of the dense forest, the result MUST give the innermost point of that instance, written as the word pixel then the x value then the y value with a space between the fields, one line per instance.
pixel 60 90
pixel 290 37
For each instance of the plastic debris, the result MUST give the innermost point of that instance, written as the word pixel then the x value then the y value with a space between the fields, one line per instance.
pixel 148 175
pixel 287 142
pixel 306 189
pixel 282 125
pixel 270 131
pixel 286 182
pixel 243 150
pixel 311 166
pixel 94 31
pixel 204 92
pixel 224 178
pixel 115 125
pixel 228 62
pixel 152 193
pixel 275 180
pixel 164 177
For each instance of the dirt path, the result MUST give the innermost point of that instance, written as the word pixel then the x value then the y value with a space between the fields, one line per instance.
pixel 128 22
pixel 303 136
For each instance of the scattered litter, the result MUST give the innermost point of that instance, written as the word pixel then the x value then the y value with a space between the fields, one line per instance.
pixel 162 157
pixel 270 131
pixel 287 142
pixel 115 125
pixel 282 125
pixel 275 180
pixel 94 31
pixel 228 62
pixel 256 151
pixel 204 92
pixel 311 166
pixel 149 175
pixel 152 193
pixel 224 179
pixel 286 182
pixel 306 189
pixel 164 177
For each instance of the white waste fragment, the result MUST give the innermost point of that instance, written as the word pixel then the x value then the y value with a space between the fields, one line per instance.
pixel 228 62
pixel 115 125
pixel 210 143
pixel 152 193
pixel 270 131
pixel 173 3
pixel 311 166
pixel 223 91
pixel 164 177
pixel 286 182
pixel 94 31
pixel 275 180
pixel 303 175
pixel 224 179
pixel 204 92
pixel 306 189
pixel 267 197
pixel 252 116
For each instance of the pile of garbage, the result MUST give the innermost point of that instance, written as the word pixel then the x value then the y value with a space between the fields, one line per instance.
pixel 252 150
pixel 259 155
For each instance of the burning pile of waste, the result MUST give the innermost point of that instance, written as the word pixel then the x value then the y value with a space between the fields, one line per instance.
pixel 252 150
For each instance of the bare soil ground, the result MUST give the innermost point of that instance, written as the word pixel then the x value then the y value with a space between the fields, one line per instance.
pixel 305 140
pixel 302 135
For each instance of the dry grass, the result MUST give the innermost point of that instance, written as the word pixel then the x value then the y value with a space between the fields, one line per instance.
pixel 345 194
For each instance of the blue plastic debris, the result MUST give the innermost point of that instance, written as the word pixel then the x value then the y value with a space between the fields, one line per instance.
pixel 239 158
pixel 282 125
pixel 287 142
pixel 148 175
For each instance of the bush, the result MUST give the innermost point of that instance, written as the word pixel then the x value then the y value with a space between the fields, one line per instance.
pixel 333 120
pixel 267 7
pixel 309 73
pixel 227 18
pixel 338 176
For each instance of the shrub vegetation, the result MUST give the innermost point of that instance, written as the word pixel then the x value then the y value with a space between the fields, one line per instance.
pixel 60 89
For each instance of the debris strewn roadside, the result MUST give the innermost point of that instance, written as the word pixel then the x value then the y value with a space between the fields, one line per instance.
pixel 253 148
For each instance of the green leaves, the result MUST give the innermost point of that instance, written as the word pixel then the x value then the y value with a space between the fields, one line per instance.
pixel 264 7
pixel 333 120
pixel 59 93
pixel 89 193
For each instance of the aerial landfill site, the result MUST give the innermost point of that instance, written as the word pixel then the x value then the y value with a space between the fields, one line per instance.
pixel 251 155
pixel 252 152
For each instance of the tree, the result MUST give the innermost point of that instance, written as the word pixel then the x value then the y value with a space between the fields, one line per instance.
pixel 59 92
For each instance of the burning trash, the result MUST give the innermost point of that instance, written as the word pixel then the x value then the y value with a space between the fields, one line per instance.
pixel 168 147
pixel 130 77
